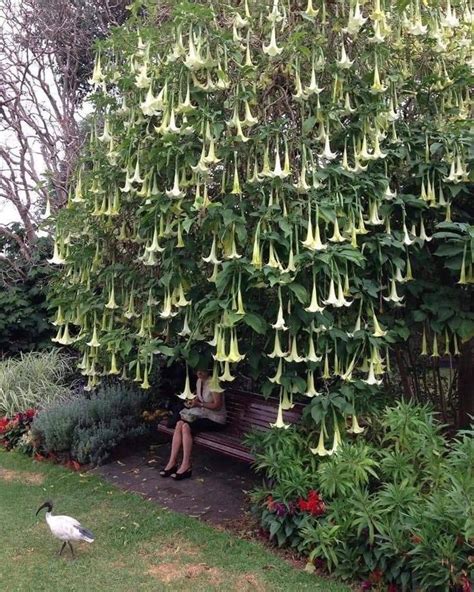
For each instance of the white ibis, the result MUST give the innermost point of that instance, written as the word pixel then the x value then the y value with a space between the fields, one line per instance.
pixel 65 528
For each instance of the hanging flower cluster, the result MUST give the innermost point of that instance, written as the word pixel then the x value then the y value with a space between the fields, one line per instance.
pixel 258 180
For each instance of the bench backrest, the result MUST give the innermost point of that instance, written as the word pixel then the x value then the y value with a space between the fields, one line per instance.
pixel 248 412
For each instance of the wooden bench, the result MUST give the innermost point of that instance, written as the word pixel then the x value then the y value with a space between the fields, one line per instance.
pixel 246 412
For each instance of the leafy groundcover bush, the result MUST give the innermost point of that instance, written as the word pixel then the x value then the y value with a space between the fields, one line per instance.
pixel 15 432
pixel 33 380
pixel 87 429
pixel 395 508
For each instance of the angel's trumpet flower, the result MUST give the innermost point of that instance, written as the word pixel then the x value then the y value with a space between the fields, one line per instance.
pixel 167 312
pixel 310 388
pixel 435 352
pixel 327 154
pixel 356 20
pixel 377 87
pixel 214 385
pixel 314 305
pixel 249 119
pixel 337 236
pixel 320 450
pixel 94 342
pixel 277 351
pixel 311 356
pixel 111 304
pixel 371 379
pixel 355 427
pixel 344 62
pixel 187 394
pixel 276 379
pixel 272 49
pixel 57 258
pixel 97 75
pixel 393 296
pixel 280 322
pixel 293 356
pixel 212 257
pixel 341 300
pixel 193 59
pixel 331 299
pixel 337 441
pixel 279 420
pixel 175 192
pixel 59 318
pixel 226 376
pixel 185 331
pixel 310 11
pixel 234 354
pixel 378 331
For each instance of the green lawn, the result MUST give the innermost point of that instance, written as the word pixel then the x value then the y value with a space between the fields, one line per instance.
pixel 138 545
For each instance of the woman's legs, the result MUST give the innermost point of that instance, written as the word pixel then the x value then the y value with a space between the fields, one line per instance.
pixel 187 440
pixel 176 444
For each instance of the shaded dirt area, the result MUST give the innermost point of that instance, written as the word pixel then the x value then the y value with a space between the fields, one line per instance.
pixel 217 492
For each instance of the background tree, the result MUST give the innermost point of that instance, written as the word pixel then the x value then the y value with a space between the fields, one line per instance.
pixel 46 51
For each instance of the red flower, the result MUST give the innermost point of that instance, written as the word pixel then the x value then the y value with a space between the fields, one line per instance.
pixel 270 503
pixel 314 505
pixel 376 576
pixel 4 421
pixel 465 584
pixel 392 587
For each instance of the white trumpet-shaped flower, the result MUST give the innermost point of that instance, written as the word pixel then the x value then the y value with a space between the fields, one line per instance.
pixel 356 20
pixel 272 49
pixel 280 322
pixel 212 257
pixel 279 423
pixel 187 393
pixel 175 192
pixel 277 351
pixel 320 450
pixel 393 296
pixel 344 62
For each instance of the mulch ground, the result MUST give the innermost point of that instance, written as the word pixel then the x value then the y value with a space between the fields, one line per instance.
pixel 217 492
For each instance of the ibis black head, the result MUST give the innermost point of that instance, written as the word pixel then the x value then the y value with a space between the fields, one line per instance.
pixel 48 505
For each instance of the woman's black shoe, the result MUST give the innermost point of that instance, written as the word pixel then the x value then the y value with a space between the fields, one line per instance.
pixel 168 472
pixel 180 476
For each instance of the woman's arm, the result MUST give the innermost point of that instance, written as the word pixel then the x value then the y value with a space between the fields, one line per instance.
pixel 215 404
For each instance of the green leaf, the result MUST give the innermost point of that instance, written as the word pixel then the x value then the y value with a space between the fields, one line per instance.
pixel 300 292
pixel 256 322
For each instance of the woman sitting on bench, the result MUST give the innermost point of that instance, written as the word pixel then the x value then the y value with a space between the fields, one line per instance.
pixel 206 412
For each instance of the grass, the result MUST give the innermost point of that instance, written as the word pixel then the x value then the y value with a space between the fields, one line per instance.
pixel 138 546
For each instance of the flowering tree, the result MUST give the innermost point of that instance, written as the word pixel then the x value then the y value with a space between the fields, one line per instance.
pixel 284 184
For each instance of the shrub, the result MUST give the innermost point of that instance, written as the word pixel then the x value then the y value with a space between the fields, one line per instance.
pixel 398 511
pixel 15 431
pixel 282 504
pixel 34 379
pixel 88 429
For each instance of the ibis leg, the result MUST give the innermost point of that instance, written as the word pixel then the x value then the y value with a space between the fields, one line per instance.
pixel 62 548
pixel 70 546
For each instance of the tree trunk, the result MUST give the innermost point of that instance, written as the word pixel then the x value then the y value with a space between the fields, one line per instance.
pixel 466 385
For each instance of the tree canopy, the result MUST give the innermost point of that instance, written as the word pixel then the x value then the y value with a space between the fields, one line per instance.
pixel 282 185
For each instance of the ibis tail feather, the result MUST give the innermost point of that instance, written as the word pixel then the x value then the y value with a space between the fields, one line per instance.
pixel 86 534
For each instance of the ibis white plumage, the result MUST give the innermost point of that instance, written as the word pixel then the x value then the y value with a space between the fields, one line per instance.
pixel 65 528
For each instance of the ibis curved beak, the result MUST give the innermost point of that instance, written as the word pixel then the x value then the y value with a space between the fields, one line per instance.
pixel 45 505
